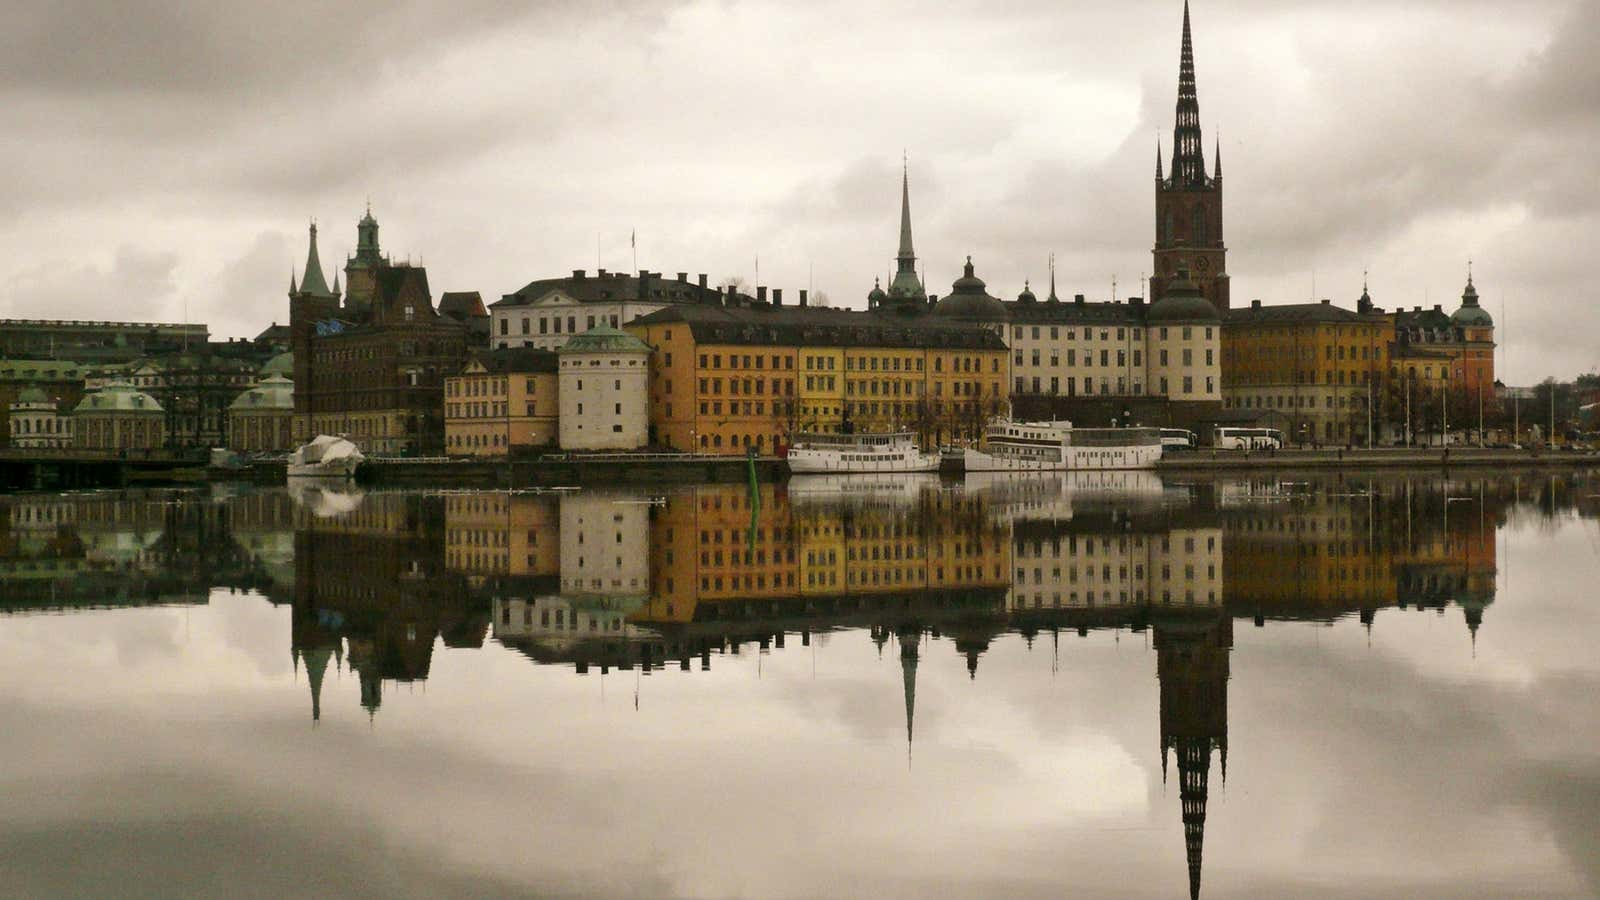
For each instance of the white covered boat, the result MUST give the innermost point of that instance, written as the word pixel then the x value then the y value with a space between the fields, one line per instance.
pixel 325 456
pixel 859 453
pixel 1057 446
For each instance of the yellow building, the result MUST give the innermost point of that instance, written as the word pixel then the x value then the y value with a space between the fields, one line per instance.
pixel 752 375
pixel 502 399
pixel 1309 369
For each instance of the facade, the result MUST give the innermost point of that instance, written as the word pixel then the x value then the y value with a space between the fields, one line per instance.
pixel 1444 362
pixel 36 422
pixel 373 367
pixel 196 390
pixel 94 341
pixel 118 417
pixel 262 418
pixel 58 380
pixel 747 374
pixel 501 399
pixel 545 313
pixel 1189 202
pixel 604 385
pixel 1313 370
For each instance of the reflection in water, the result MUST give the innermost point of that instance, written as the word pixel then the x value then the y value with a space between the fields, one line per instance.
pixel 600 579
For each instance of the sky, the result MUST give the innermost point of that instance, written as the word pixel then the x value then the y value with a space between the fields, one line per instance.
pixel 165 158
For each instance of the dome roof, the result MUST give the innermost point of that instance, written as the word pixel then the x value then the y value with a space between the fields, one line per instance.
pixel 118 396
pixel 32 395
pixel 282 364
pixel 604 339
pixel 876 295
pixel 1027 294
pixel 969 299
pixel 272 392
pixel 1182 302
pixel 1470 312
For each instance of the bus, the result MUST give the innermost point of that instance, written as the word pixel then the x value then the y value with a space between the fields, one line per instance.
pixel 1178 439
pixel 1247 439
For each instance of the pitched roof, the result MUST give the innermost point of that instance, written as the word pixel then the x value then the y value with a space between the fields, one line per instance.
pixel 461 304
pixel 118 396
pixel 816 326
pixel 272 392
pixel 1292 313
pixel 39 370
pixel 604 339
pixel 516 360
pixel 611 287
pixel 1073 312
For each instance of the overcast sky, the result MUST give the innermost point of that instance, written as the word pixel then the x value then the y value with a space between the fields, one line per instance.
pixel 163 158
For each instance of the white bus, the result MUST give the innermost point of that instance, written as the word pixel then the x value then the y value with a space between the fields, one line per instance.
pixel 1178 439
pixel 1247 439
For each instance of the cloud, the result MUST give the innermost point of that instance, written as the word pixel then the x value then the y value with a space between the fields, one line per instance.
pixel 139 285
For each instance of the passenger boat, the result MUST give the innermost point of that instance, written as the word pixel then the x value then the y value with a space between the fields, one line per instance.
pixel 325 456
pixel 1057 446
pixel 859 453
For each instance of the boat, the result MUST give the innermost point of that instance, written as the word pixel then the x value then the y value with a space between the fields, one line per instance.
pixel 859 454
pixel 1057 446
pixel 325 456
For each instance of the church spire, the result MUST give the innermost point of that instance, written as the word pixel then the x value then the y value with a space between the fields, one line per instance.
pixel 312 281
pixel 1188 155
pixel 905 285
pixel 1160 176
pixel 909 638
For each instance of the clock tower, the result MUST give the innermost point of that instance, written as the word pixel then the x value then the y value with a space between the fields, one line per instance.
pixel 1189 203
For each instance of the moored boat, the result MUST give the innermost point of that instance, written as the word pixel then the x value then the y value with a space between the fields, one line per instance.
pixel 1057 446
pixel 325 456
pixel 859 453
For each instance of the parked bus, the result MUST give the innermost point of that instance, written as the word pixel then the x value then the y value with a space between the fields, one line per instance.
pixel 1247 439
pixel 1178 439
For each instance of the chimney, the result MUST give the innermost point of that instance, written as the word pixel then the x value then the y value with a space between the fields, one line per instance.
pixel 683 277
pixel 1416 309
pixel 777 296
pixel 644 284
pixel 761 293
pixel 1438 308
pixel 600 273
pixel 1136 301
pixel 1077 298
pixel 577 274
pixel 702 281
pixel 1255 304
pixel 802 297
pixel 1326 301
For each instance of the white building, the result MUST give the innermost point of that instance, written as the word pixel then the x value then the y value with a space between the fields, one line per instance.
pixel 603 389
pixel 545 313
pixel 36 421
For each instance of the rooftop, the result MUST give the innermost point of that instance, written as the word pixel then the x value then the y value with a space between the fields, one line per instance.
pixel 610 287
pixel 816 326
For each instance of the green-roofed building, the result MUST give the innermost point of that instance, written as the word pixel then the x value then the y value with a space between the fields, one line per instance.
pixel 60 383
pixel 603 384
pixel 119 416
pixel 261 419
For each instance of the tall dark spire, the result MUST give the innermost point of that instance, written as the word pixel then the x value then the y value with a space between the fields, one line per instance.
pixel 905 285
pixel 1160 176
pixel 909 639
pixel 1188 154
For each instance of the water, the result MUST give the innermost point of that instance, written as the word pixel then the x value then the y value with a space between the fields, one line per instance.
pixel 1117 686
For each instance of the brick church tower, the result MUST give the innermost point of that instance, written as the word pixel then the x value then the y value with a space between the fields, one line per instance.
pixel 1189 204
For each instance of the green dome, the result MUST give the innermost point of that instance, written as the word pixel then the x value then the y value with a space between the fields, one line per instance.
pixel 282 364
pixel 118 396
pixel 1183 303
pixel 1470 312
pixel 32 395
pixel 270 393
pixel 604 339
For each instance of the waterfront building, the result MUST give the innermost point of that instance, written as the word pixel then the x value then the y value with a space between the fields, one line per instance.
pixel 546 312
pixel 1313 370
pixel 751 374
pixel 261 419
pixel 1093 562
pixel 604 389
pixel 505 398
pixel 373 367
pixel 118 417
pixel 61 383
pixel 36 422
pixel 1188 201
pixel 196 390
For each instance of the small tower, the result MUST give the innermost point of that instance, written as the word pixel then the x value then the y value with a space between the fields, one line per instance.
pixel 1189 202
pixel 361 268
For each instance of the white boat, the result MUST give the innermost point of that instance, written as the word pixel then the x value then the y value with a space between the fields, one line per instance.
pixel 1057 446
pixel 859 453
pixel 325 456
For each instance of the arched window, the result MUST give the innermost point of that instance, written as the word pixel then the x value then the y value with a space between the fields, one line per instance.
pixel 1166 229
pixel 1197 230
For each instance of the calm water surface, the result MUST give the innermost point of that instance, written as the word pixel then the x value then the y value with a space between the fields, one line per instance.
pixel 1298 686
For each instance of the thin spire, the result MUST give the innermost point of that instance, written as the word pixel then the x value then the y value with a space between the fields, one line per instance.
pixel 292 288
pixel 1218 160
pixel 1160 176
pixel 313 282
pixel 906 252
pixel 905 284
pixel 1188 155
pixel 1053 257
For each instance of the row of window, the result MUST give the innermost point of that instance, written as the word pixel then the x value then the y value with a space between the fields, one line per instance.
pixel 552 324
pixel 1034 332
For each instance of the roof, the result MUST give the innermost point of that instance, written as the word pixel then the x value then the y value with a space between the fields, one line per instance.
pixel 32 395
pixel 604 339
pixel 1293 314
pixel 1095 312
pixel 821 327
pixel 271 392
pixel 611 287
pixel 1182 302
pixel 118 396
pixel 462 304
pixel 517 360
pixel 39 370
pixel 969 299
